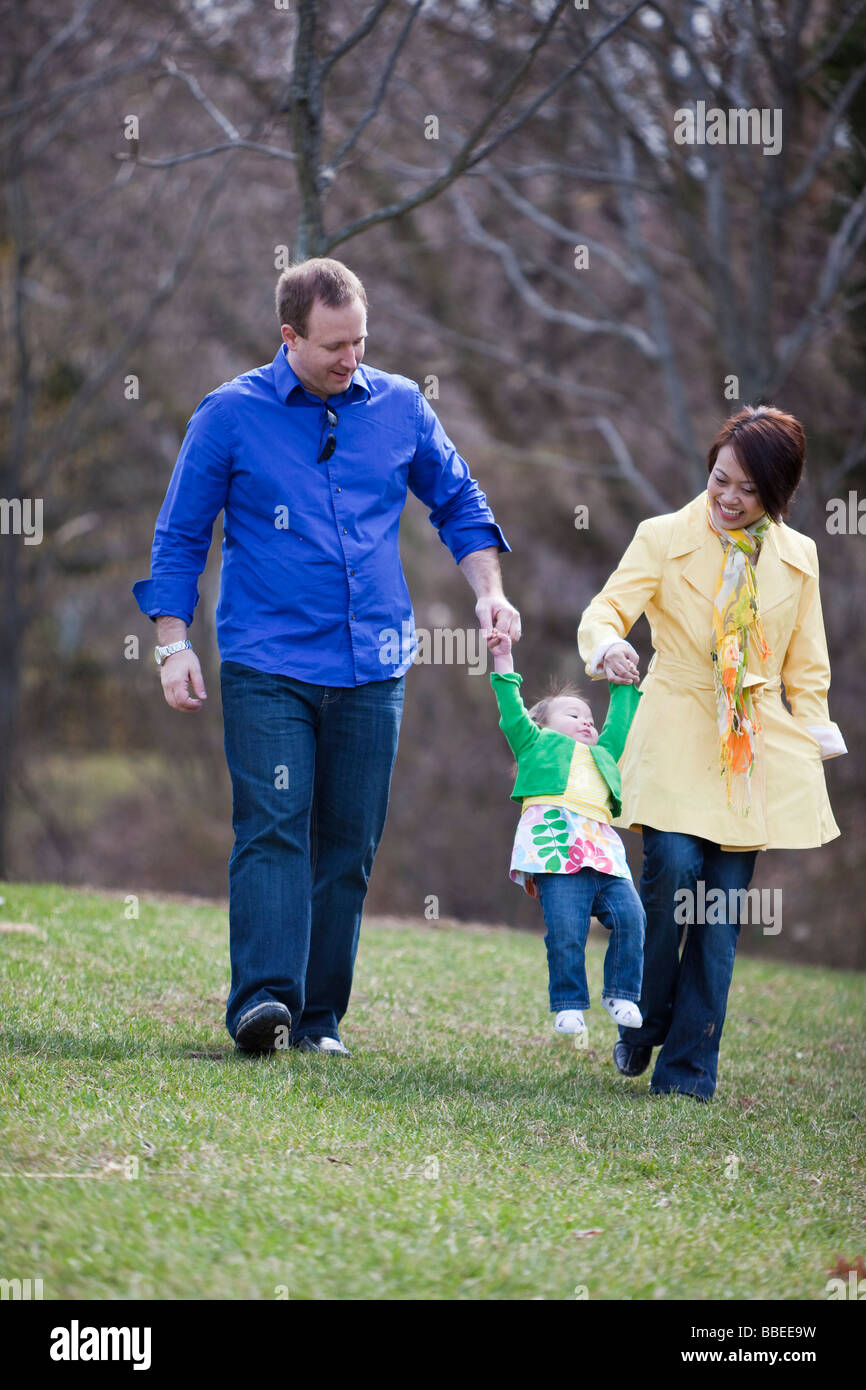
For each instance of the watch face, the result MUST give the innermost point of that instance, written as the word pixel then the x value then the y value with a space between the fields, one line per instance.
pixel 157 656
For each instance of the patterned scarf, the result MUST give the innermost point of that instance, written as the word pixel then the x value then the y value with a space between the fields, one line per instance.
pixel 735 615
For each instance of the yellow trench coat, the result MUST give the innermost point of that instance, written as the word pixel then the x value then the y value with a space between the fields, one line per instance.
pixel 670 766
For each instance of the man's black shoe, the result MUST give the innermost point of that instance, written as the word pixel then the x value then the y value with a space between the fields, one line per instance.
pixel 630 1060
pixel 259 1028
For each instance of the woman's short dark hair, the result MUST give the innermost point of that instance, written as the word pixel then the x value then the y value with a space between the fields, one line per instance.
pixel 770 447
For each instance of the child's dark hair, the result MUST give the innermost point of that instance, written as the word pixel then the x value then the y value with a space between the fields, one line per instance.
pixel 557 690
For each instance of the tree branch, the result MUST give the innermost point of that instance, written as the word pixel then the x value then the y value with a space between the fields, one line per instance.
pixel 365 28
pixel 625 463
pixel 58 438
pixel 468 156
pixel 202 98
pixel 59 39
pixel 795 191
pixel 842 250
pixel 82 84
pixel 511 266
pixel 807 70
pixel 508 359
pixel 372 110
pixel 557 229
pixel 169 161
pixel 657 314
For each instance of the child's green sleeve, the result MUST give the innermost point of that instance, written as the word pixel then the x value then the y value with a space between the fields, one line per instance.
pixel 521 731
pixel 624 700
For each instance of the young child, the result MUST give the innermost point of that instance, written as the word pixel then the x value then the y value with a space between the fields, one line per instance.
pixel 566 852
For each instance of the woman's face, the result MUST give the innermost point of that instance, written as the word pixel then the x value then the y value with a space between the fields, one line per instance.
pixel 733 495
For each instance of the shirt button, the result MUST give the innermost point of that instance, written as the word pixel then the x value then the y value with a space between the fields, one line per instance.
pixel 345 532
pixel 339 489
pixel 351 571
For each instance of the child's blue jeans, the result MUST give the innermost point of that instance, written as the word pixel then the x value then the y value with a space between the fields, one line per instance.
pixel 567 902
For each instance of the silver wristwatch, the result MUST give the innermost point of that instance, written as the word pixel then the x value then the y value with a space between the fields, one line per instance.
pixel 160 653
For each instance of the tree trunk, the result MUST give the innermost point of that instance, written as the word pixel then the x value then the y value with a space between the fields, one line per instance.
pixel 305 119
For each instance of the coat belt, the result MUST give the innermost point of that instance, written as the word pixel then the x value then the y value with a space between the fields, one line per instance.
pixel 699 678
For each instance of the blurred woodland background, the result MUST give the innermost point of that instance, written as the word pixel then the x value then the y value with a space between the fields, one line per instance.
pixel 161 160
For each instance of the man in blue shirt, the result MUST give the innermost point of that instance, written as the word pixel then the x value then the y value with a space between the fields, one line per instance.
pixel 310 459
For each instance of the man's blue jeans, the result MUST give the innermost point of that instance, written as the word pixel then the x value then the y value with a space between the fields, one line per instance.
pixel 567 902
pixel 684 998
pixel 311 771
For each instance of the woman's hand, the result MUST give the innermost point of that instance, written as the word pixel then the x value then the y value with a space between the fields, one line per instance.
pixel 499 643
pixel 619 665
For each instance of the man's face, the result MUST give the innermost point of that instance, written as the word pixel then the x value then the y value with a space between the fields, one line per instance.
pixel 325 359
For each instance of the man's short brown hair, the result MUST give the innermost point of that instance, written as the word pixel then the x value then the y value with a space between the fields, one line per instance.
pixel 318 278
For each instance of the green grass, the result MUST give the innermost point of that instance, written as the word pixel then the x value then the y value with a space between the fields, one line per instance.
pixel 464 1153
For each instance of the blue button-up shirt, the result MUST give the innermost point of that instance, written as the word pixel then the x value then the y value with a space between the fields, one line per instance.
pixel 312 585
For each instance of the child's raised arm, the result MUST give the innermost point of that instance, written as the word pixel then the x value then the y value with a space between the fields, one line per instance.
pixel 624 700
pixel 520 731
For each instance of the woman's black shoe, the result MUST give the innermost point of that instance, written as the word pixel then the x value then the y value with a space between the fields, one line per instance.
pixel 630 1060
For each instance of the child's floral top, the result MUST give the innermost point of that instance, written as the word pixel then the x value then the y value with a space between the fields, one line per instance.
pixel 557 840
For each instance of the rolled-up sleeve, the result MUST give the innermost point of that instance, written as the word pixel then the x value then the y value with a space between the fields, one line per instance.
pixel 443 482
pixel 196 495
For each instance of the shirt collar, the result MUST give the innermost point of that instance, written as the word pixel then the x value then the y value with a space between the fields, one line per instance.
pixel 288 385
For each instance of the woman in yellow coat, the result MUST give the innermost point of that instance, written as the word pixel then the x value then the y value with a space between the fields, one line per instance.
pixel 715 767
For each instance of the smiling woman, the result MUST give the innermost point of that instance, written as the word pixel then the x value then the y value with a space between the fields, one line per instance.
pixel 755 465
pixel 715 767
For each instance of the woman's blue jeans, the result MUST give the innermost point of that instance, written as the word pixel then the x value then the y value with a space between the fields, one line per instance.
pixel 567 902
pixel 685 997
pixel 311 771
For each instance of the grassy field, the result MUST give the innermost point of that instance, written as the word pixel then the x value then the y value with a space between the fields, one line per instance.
pixel 465 1152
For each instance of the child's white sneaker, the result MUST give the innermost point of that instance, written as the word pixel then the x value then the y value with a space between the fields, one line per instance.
pixel 569 1021
pixel 622 1011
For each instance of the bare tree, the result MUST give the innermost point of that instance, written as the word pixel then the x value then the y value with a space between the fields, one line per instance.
pixel 52 80
pixel 717 225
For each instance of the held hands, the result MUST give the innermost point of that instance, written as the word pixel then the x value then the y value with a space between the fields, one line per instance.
pixel 177 674
pixel 495 613
pixel 619 665
pixel 499 643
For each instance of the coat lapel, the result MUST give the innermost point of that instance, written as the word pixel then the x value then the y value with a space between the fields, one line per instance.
pixel 693 538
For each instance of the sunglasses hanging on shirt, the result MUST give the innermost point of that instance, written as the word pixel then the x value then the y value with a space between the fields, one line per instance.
pixel 331 441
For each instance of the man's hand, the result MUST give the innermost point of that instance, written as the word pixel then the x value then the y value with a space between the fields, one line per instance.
pixel 496 614
pixel 492 609
pixel 499 643
pixel 620 666
pixel 178 673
